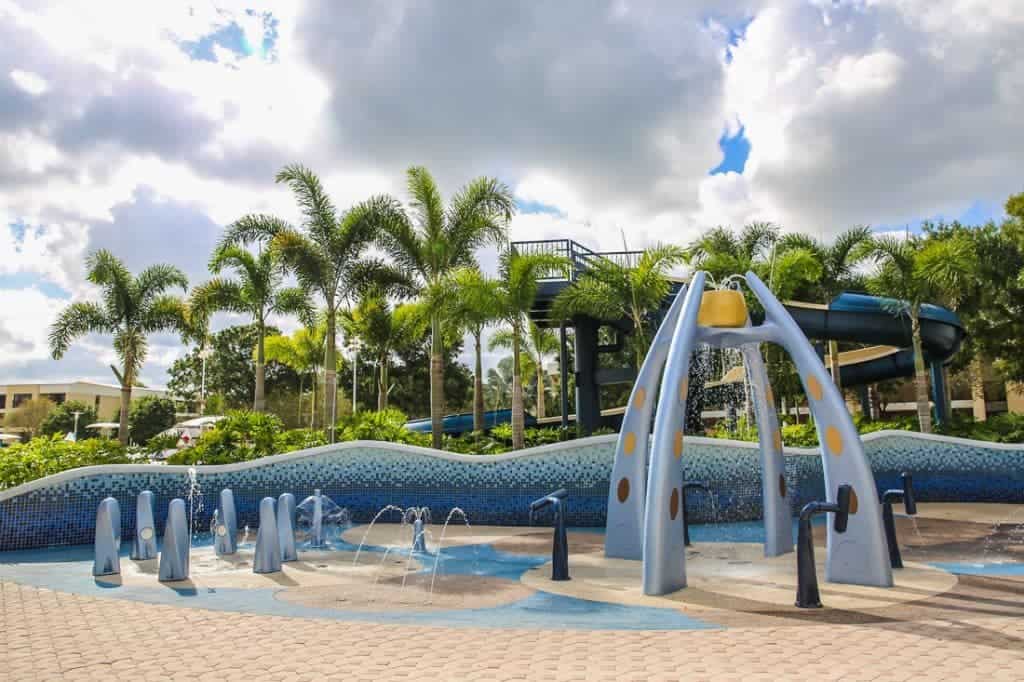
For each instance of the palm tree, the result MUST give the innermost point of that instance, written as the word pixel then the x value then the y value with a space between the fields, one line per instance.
pixel 326 255
pixel 435 241
pixel 837 260
pixel 257 292
pixel 475 298
pixel 131 309
pixel 539 344
pixel 911 273
pixel 610 291
pixel 383 329
pixel 722 253
pixel 303 351
pixel 515 290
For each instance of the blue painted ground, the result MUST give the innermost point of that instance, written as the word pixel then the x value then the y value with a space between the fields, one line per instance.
pixel 69 569
pixel 995 569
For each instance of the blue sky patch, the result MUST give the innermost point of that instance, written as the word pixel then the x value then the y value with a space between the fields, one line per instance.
pixel 978 213
pixel 233 38
pixel 24 280
pixel 528 207
pixel 735 151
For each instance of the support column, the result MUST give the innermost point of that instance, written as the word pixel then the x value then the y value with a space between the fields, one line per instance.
pixel 938 392
pixel 865 400
pixel 563 375
pixel 588 400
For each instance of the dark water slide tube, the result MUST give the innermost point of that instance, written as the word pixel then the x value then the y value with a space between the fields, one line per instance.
pixel 859 318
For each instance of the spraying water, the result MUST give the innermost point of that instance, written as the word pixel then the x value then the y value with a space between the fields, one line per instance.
pixel 440 544
pixel 362 542
pixel 194 495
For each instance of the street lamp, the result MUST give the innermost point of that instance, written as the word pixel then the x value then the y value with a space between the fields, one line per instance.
pixel 204 353
pixel 354 345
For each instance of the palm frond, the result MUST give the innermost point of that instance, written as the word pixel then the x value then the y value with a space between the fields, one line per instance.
pixel 157 279
pixel 164 313
pixel 316 206
pixel 479 214
pixel 75 321
pixel 426 201
pixel 255 227
pixel 588 296
pixel 218 295
pixel 294 301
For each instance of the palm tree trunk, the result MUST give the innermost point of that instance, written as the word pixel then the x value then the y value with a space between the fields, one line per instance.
pixel 259 403
pixel 298 415
pixel 833 361
pixel 518 436
pixel 976 372
pixel 126 403
pixel 436 382
pixel 330 373
pixel 541 405
pixel 478 384
pixel 924 412
pixel 382 384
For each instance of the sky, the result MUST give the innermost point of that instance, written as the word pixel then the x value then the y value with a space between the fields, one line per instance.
pixel 144 128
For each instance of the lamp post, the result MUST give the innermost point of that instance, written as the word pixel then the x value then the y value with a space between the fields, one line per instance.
pixel 354 344
pixel 204 353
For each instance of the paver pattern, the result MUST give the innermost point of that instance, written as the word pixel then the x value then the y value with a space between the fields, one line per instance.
pixel 51 635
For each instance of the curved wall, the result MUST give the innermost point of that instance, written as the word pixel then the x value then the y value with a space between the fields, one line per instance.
pixel 366 475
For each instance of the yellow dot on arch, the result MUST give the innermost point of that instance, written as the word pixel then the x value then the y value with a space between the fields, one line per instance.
pixel 777 440
pixel 769 396
pixel 638 399
pixel 629 443
pixel 677 445
pixel 813 387
pixel 834 441
pixel 684 388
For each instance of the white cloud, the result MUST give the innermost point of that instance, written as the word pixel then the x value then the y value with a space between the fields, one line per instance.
pixel 860 111
pixel 32 83
pixel 886 112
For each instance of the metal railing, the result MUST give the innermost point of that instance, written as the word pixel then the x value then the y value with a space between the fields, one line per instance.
pixel 579 256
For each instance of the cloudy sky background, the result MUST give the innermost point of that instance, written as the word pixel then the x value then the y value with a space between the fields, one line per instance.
pixel 144 128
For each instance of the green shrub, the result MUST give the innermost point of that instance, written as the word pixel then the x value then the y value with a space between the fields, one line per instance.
pixel 242 435
pixel 149 416
pixel 386 425
pixel 61 419
pixel 48 455
pixel 161 442
pixel 298 439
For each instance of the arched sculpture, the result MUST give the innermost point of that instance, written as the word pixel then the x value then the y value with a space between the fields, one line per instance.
pixel 645 519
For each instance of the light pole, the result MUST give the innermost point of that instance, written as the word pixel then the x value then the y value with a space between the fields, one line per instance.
pixel 354 345
pixel 204 353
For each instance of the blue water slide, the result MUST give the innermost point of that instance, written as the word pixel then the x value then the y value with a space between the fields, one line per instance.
pixel 455 424
pixel 859 318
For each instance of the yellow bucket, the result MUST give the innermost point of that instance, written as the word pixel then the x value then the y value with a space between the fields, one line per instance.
pixel 722 308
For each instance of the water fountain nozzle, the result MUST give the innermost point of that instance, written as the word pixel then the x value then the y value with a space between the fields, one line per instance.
pixel 807 595
pixel 560 544
pixel 909 504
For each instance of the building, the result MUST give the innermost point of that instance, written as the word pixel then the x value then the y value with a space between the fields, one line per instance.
pixel 104 398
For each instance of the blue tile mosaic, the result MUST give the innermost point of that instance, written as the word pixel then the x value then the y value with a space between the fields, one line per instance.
pixel 364 477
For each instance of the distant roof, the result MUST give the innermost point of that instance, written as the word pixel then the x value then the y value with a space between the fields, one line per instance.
pixel 104 425
pixel 199 421
pixel 43 385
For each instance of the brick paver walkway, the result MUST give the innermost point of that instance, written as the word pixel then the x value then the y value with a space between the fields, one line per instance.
pixel 50 635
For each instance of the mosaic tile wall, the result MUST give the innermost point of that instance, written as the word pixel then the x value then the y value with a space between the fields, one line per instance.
pixel 493 490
